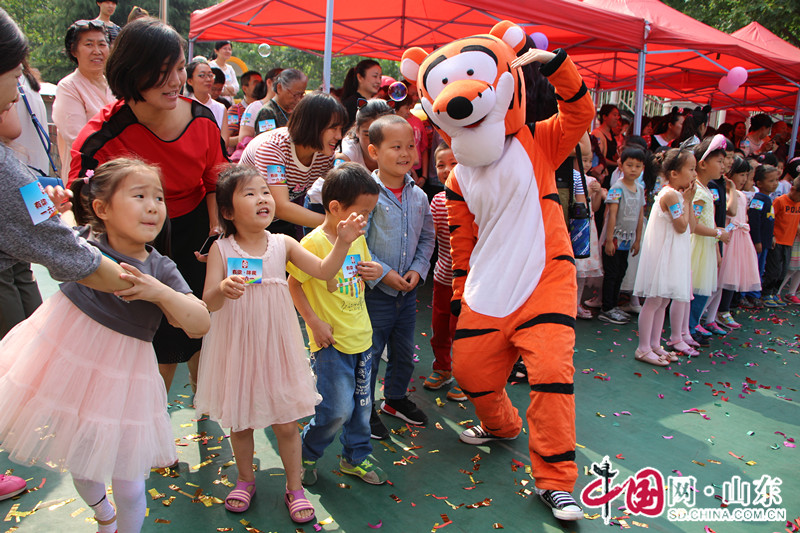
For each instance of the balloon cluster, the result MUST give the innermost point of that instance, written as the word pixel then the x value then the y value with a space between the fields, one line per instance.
pixel 731 82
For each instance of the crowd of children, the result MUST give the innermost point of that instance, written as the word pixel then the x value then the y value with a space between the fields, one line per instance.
pixel 723 231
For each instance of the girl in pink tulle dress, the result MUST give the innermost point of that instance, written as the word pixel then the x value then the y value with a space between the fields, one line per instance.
pixel 79 384
pixel 254 372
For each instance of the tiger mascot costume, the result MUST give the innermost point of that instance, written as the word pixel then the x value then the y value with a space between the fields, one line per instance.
pixel 514 286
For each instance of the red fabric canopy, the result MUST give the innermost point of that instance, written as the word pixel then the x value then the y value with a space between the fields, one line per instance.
pixel 386 30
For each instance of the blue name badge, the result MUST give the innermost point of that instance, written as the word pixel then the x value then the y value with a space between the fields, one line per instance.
pixel 730 227
pixel 715 194
pixel 756 204
pixel 39 206
pixel 249 268
pixel 350 266
pixel 614 195
pixel 266 125
pixel 275 175
pixel 233 119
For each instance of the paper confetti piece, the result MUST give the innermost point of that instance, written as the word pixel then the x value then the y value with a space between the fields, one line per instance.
pixel 163 521
pixel 376 526
pixel 497 525
pixel 343 485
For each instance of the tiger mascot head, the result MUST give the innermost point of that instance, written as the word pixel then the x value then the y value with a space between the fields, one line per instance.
pixel 470 93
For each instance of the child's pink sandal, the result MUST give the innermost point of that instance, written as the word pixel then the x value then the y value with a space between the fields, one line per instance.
pixel 244 492
pixel 297 504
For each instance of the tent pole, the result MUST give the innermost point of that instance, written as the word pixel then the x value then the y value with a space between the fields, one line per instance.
pixel 597 94
pixel 795 123
pixel 639 107
pixel 163 7
pixel 191 49
pixel 326 62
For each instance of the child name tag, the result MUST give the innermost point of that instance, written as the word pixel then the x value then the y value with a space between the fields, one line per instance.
pixel 756 204
pixel 276 175
pixel 249 268
pixel 676 210
pixel 39 206
pixel 730 227
pixel 698 210
pixel 233 119
pixel 614 195
pixel 266 125
pixel 350 266
pixel 715 194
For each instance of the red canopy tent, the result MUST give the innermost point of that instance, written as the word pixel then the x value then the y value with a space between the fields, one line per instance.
pixel 386 30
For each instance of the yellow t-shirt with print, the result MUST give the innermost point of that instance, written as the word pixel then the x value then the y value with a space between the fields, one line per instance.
pixel 340 301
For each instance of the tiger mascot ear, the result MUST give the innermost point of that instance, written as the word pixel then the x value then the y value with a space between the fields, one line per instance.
pixel 509 33
pixel 410 63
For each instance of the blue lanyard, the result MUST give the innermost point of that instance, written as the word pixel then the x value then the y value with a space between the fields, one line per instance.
pixel 43 137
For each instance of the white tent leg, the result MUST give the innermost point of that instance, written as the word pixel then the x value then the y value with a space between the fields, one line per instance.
pixel 326 61
pixel 795 123
pixel 639 106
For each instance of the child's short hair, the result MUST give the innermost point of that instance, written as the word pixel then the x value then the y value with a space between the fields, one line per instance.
pixel 346 183
pixel 768 159
pixel 374 108
pixel 633 152
pixel 315 113
pixel 229 179
pixel 671 160
pixel 219 76
pixel 793 167
pixel 796 184
pixel 377 127
pixel 101 184
pixel 762 171
pixel 439 149
pixel 739 166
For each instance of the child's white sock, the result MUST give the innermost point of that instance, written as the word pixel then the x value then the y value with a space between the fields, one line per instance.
pixel 94 494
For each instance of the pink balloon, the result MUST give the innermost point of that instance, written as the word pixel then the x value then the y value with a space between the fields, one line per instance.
pixel 726 86
pixel 540 40
pixel 737 75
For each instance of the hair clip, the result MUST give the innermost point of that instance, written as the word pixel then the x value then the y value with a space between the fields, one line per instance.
pixel 718 142
pixel 89 174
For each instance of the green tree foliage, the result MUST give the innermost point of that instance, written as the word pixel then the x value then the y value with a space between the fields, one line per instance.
pixel 781 17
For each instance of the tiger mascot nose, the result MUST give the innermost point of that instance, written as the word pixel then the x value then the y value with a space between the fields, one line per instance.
pixel 456 99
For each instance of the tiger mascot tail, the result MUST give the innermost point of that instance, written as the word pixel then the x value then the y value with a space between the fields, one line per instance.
pixel 514 287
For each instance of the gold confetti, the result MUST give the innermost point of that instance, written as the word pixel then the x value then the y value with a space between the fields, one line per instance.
pixel 439 402
pixel 163 521
pixel 327 521
pixel 485 503
pixel 464 422
pixel 187 425
pixel 395 498
pixel 434 451
pixel 698 463
pixel 715 462
pixel 60 504
pixel 343 485
pixel 77 511
pixel 224 529
pixel 437 425
pixel 156 495
pixel 464 407
pixel 389 447
pixel 751 463
pixel 497 525
pixel 168 501
pixel 215 448
pixel 640 524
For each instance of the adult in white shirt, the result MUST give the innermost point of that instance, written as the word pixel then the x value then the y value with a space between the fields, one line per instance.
pixel 224 51
pixel 199 80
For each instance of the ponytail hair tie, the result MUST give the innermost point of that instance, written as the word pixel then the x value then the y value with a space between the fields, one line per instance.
pixel 89 174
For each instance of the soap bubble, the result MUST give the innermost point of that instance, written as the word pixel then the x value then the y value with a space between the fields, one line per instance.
pixel 397 91
pixel 264 50
pixel 540 40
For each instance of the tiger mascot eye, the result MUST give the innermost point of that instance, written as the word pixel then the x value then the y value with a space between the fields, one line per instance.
pixel 514 285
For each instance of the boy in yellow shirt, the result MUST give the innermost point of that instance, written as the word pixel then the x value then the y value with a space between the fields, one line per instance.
pixel 339 331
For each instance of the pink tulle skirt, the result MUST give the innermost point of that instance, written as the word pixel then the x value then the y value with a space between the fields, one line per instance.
pixel 739 268
pixel 76 396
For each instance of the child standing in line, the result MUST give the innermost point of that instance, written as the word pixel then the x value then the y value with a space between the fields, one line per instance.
pixel 590 267
pixel 339 332
pixel 623 231
pixel 443 322
pixel 787 218
pixel 255 373
pixel 710 155
pixel 761 218
pixel 792 280
pixel 401 238
pixel 98 409
pixel 738 271
pixel 664 269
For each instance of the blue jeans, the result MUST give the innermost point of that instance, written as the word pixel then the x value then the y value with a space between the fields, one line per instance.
pixel 696 309
pixel 762 263
pixel 344 382
pixel 393 320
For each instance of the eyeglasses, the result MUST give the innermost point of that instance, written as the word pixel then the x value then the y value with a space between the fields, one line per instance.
pixel 206 75
pixel 296 95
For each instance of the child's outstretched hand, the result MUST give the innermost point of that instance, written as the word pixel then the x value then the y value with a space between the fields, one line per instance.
pixel 369 270
pixel 144 286
pixel 352 228
pixel 534 54
pixel 232 287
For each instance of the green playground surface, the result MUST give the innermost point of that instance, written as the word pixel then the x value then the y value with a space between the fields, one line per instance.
pixel 731 415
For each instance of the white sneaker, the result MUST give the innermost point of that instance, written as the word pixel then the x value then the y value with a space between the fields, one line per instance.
pixel 562 504
pixel 478 435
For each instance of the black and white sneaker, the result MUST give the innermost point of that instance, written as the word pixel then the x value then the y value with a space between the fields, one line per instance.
pixel 377 430
pixel 562 504
pixel 405 409
pixel 478 435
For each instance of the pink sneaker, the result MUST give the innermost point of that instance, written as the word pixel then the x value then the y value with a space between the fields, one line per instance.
pixel 10 486
pixel 792 299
